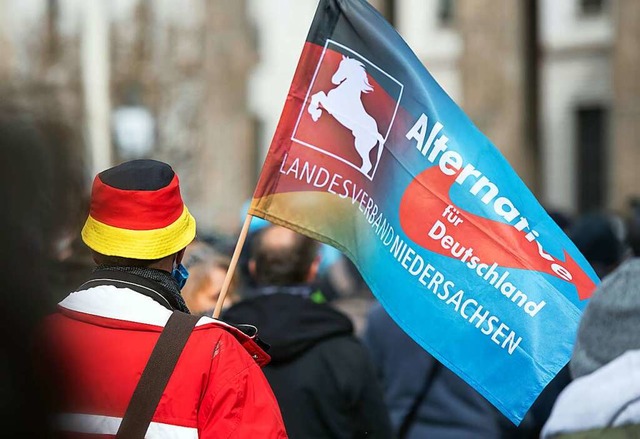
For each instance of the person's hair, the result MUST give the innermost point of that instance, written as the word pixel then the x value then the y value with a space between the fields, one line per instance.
pixel 119 261
pixel 200 258
pixel 602 239
pixel 42 168
pixel 282 263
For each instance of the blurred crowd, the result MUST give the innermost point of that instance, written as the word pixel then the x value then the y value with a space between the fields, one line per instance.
pixel 340 366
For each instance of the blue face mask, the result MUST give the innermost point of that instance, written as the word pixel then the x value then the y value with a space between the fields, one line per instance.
pixel 180 274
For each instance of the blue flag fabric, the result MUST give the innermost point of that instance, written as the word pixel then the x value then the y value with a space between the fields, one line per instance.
pixel 372 157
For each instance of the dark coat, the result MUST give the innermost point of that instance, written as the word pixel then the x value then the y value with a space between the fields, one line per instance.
pixel 321 375
pixel 451 409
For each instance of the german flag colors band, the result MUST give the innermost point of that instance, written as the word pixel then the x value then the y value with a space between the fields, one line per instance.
pixel 140 244
pixel 137 212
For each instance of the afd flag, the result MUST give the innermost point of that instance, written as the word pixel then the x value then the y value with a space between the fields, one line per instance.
pixel 372 157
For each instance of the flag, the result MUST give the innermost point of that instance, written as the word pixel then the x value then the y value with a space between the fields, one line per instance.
pixel 373 157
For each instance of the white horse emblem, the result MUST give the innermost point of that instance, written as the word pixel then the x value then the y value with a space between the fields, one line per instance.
pixel 345 105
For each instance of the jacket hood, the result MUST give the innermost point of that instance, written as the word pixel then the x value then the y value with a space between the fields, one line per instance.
pixel 607 398
pixel 291 324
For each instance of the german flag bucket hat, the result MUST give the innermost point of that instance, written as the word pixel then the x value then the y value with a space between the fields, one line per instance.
pixel 137 212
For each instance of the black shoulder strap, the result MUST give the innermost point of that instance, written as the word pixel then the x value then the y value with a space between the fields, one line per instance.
pixel 410 417
pixel 156 375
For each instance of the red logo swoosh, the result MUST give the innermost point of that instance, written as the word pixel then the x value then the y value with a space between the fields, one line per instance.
pixel 423 204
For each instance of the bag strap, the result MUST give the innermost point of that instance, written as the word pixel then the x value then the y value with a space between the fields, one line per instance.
pixel 155 375
pixel 410 417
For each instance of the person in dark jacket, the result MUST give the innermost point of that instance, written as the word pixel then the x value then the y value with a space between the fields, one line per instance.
pixel 321 375
pixel 424 398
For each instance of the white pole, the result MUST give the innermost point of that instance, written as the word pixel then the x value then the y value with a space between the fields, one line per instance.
pixel 95 82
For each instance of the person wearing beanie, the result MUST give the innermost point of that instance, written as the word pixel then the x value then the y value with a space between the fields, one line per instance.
pixel 604 398
pixel 104 333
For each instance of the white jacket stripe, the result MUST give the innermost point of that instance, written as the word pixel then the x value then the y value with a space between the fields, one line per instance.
pixel 122 304
pixel 97 424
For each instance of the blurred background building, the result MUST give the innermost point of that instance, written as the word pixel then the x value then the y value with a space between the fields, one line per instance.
pixel 201 83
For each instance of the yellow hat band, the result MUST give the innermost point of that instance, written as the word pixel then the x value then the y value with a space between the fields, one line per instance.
pixel 140 244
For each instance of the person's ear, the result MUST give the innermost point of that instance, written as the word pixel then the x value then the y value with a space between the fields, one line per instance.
pixel 252 268
pixel 180 256
pixel 313 270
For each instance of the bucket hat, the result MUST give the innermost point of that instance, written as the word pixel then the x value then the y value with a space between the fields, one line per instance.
pixel 137 212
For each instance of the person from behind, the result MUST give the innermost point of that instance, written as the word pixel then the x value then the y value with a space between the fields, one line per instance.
pixel 207 270
pixel 604 398
pixel 424 398
pixel 321 375
pixel 602 239
pixel 103 334
pixel 40 179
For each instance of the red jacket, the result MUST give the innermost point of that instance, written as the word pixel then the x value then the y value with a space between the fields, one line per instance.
pixel 101 339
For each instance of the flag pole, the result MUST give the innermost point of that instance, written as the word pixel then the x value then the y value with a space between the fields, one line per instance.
pixel 232 266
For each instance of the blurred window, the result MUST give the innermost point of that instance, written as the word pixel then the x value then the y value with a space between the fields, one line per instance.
pixel 134 131
pixel 260 149
pixel 591 7
pixel 591 148
pixel 446 12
